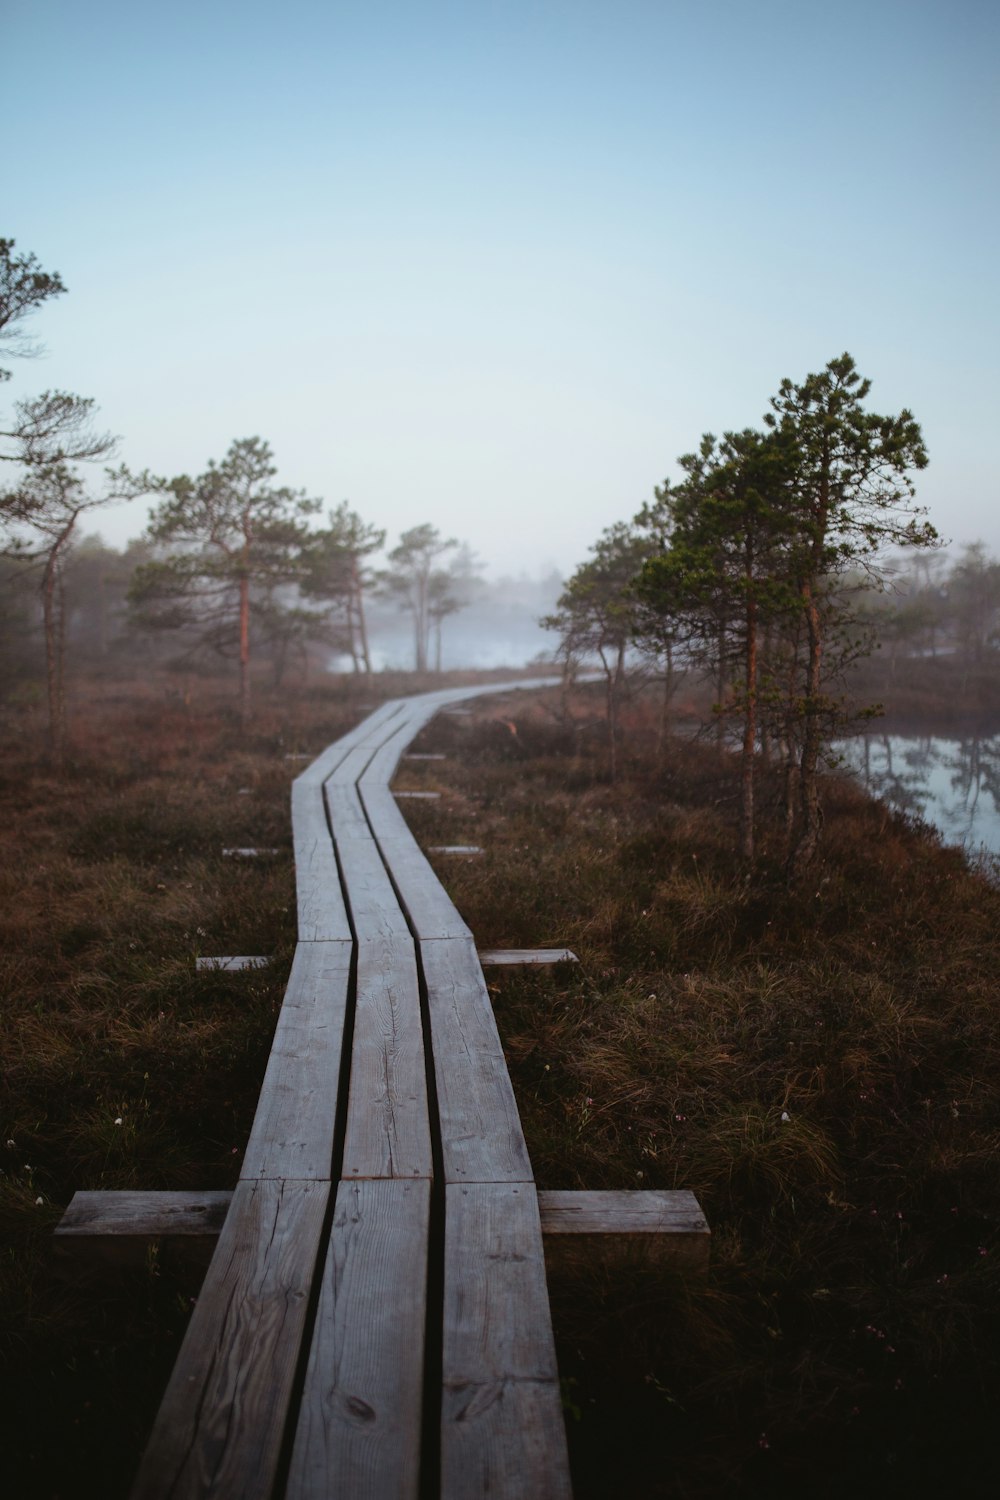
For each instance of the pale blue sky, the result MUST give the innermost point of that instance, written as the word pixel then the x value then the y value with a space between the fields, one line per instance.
pixel 494 266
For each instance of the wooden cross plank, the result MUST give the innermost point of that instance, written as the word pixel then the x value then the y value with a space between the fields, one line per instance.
pixel 481 1135
pixel 639 1227
pixel 360 1413
pixel 516 956
pixel 649 1227
pixel 292 1134
pixel 502 1429
pixel 221 1425
pixel 116 1228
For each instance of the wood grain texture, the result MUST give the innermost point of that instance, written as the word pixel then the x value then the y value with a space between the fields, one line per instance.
pixel 292 1132
pixel 359 1425
pixel 113 1230
pixel 501 1426
pixel 520 956
pixel 431 911
pixel 353 764
pixel 220 1427
pixel 481 1135
pixel 131 1212
pixel 388 1128
pixel 384 815
pixel 322 913
pixel 386 758
pixel 347 816
pixel 661 1229
pixel 374 907
pixel 335 753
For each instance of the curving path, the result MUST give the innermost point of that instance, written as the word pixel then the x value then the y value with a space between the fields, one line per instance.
pixel 375 1320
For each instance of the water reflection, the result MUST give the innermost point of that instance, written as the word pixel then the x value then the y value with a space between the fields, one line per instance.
pixel 953 784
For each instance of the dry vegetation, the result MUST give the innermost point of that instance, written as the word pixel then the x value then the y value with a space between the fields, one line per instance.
pixel 820 1067
pixel 122 1066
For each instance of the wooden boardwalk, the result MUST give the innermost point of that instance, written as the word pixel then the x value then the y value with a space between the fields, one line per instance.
pixel 374 1320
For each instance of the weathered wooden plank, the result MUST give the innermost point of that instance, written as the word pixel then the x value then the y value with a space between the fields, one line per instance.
pixel 430 909
pixel 231 961
pixel 116 1228
pixel 388 1130
pixel 481 1135
pixel 220 1427
pixel 418 796
pixel 515 956
pixel 454 849
pixel 375 910
pixel 250 853
pixel 334 755
pixel 347 816
pixel 360 1414
pixel 658 1229
pixel 665 1229
pixel 384 762
pixel 383 812
pixel 501 1425
pixel 292 1133
pixel 354 764
pixel 322 913
pixel 418 755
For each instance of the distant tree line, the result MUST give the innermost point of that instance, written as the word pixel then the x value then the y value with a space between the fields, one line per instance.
pixel 765 569
pixel 232 564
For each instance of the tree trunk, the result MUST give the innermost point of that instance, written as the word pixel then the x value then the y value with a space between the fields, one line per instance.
pixel 421 626
pixel 663 727
pixel 245 648
pixel 609 709
pixel 749 730
pixel 811 817
pixel 791 782
pixel 359 610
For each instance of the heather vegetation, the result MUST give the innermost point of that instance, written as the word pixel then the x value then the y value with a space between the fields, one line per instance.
pixel 818 1064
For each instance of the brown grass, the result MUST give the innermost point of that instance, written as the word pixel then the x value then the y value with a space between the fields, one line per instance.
pixel 820 1066
pixel 845 1339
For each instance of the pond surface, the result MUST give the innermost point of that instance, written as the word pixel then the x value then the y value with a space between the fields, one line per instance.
pixel 953 784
